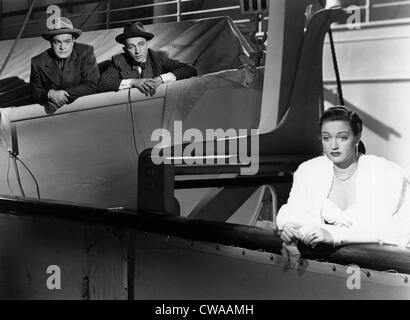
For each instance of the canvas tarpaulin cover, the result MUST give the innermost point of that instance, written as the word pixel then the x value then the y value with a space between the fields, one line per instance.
pixel 211 45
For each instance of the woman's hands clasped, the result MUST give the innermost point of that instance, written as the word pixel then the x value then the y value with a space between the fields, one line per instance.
pixel 290 233
pixel 311 237
pixel 315 235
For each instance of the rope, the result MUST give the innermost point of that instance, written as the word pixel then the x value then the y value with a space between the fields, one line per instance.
pixel 18 37
pixel 18 176
pixel 15 158
pixel 339 85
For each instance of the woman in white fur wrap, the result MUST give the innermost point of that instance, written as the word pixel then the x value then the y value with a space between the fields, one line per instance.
pixel 346 196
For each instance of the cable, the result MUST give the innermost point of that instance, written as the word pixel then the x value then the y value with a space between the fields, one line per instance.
pixel 31 174
pixel 15 158
pixel 334 58
pixel 132 123
pixel 16 170
pixel 8 176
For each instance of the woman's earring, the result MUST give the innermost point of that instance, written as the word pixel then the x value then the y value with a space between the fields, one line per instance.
pixel 356 149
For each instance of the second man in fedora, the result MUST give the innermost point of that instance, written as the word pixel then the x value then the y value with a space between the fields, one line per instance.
pixel 139 66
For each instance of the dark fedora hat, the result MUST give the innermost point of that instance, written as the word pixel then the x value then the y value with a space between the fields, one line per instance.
pixel 63 25
pixel 132 30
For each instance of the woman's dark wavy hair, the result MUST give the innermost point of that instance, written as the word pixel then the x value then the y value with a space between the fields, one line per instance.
pixel 344 114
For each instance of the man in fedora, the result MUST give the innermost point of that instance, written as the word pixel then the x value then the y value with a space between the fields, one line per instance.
pixel 66 71
pixel 139 66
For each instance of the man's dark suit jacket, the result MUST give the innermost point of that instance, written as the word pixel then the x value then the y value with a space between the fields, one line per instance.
pixel 79 77
pixel 157 63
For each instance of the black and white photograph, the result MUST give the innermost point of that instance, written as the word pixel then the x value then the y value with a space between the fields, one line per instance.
pixel 204 155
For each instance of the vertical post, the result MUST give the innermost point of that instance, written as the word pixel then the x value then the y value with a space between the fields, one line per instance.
pixel 18 37
pixel 273 66
pixel 108 17
pixel 155 186
pixel 261 18
pixel 367 11
pixel 259 33
pixel 178 10
pixel 1 19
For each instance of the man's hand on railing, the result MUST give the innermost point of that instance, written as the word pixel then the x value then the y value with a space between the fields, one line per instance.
pixel 58 97
pixel 146 86
pixel 158 81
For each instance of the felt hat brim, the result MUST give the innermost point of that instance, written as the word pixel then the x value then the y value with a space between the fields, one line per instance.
pixel 51 33
pixel 132 34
